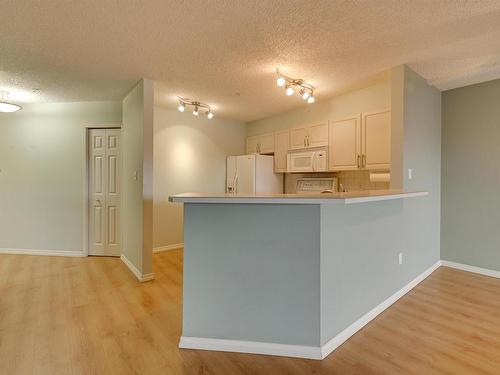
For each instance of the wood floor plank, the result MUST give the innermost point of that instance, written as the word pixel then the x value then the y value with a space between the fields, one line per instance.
pixel 90 316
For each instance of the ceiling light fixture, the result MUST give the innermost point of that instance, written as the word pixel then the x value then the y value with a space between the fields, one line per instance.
pixel 183 102
pixel 5 105
pixel 305 90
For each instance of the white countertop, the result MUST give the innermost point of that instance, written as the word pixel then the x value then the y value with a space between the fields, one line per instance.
pixel 325 198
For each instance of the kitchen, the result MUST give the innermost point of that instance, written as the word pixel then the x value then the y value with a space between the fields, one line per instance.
pixel 357 251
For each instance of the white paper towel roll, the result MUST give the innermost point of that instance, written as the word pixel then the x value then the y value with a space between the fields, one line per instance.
pixel 380 177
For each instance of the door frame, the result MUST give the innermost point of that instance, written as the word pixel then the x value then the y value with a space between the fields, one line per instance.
pixel 86 131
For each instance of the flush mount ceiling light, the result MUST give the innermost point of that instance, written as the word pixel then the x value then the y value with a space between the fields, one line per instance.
pixel 5 106
pixel 183 102
pixel 292 85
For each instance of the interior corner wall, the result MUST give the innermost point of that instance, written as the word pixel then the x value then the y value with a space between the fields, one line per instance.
pixel 422 154
pixel 470 178
pixel 189 156
pixel 137 141
pixel 42 174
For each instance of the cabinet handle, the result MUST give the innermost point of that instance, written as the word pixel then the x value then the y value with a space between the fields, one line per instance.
pixel 357 161
pixel 308 144
pixel 305 141
pixel 363 161
pixel 258 147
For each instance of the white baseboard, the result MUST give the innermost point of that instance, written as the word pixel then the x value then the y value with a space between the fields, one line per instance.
pixel 168 247
pixel 474 269
pixel 58 253
pixel 142 278
pixel 343 336
pixel 310 352
pixel 253 347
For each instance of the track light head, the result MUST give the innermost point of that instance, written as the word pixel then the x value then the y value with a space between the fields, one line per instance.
pixel 280 81
pixel 289 90
pixel 210 115
pixel 181 107
pixel 195 110
pixel 305 94
pixel 311 99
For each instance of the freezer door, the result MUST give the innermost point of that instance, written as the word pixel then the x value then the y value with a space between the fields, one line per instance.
pixel 266 181
pixel 245 175
pixel 231 174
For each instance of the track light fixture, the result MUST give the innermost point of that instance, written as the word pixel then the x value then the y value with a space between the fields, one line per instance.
pixel 305 90
pixel 5 105
pixel 183 102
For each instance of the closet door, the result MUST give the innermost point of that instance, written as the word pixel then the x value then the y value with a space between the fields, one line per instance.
pixel 104 192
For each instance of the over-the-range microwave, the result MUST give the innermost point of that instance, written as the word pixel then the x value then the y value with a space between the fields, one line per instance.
pixel 307 161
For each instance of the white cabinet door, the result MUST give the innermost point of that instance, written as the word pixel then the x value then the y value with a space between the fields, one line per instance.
pixel 298 138
pixel 104 192
pixel 317 135
pixel 376 140
pixel 345 144
pixel 281 146
pixel 266 143
pixel 253 144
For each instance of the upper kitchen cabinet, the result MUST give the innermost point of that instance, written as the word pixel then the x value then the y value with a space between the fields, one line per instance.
pixel 360 142
pixel 309 136
pixel 260 144
pixel 345 144
pixel 281 147
pixel 376 140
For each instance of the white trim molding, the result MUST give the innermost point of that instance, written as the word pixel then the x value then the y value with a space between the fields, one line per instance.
pixel 473 269
pixel 58 253
pixel 298 351
pixel 343 336
pixel 175 246
pixel 253 347
pixel 142 278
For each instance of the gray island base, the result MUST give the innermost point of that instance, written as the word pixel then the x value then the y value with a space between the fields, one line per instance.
pixel 297 275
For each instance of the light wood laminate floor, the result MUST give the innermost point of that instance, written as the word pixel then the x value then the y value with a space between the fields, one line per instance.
pixel 90 316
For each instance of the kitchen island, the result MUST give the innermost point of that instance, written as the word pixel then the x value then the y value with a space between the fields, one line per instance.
pixel 296 275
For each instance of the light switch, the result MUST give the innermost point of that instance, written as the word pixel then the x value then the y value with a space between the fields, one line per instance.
pixel 134 176
pixel 410 174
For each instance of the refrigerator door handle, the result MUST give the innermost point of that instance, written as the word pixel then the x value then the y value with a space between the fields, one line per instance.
pixel 235 182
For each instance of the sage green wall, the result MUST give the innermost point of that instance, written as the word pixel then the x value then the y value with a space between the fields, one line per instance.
pixel 189 156
pixel 42 175
pixel 471 181
pixel 137 197
pixel 375 96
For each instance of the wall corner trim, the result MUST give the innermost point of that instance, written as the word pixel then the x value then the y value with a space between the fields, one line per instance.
pixel 175 246
pixel 473 269
pixel 63 253
pixel 142 278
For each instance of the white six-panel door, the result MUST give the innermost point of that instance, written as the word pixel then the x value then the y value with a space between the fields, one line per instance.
pixel 104 192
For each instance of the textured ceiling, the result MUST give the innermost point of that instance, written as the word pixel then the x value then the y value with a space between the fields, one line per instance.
pixel 225 52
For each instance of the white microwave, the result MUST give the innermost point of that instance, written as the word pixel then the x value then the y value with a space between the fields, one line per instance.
pixel 307 161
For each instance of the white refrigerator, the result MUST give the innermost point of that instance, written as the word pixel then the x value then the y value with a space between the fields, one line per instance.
pixel 252 174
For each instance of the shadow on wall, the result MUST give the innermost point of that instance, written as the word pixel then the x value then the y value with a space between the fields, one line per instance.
pixel 189 156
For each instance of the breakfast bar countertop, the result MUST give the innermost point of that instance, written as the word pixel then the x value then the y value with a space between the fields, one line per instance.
pixel 322 198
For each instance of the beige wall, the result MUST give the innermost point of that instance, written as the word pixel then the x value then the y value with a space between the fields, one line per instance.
pixel 137 141
pixel 373 97
pixel 42 174
pixel 189 156
pixel 471 178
